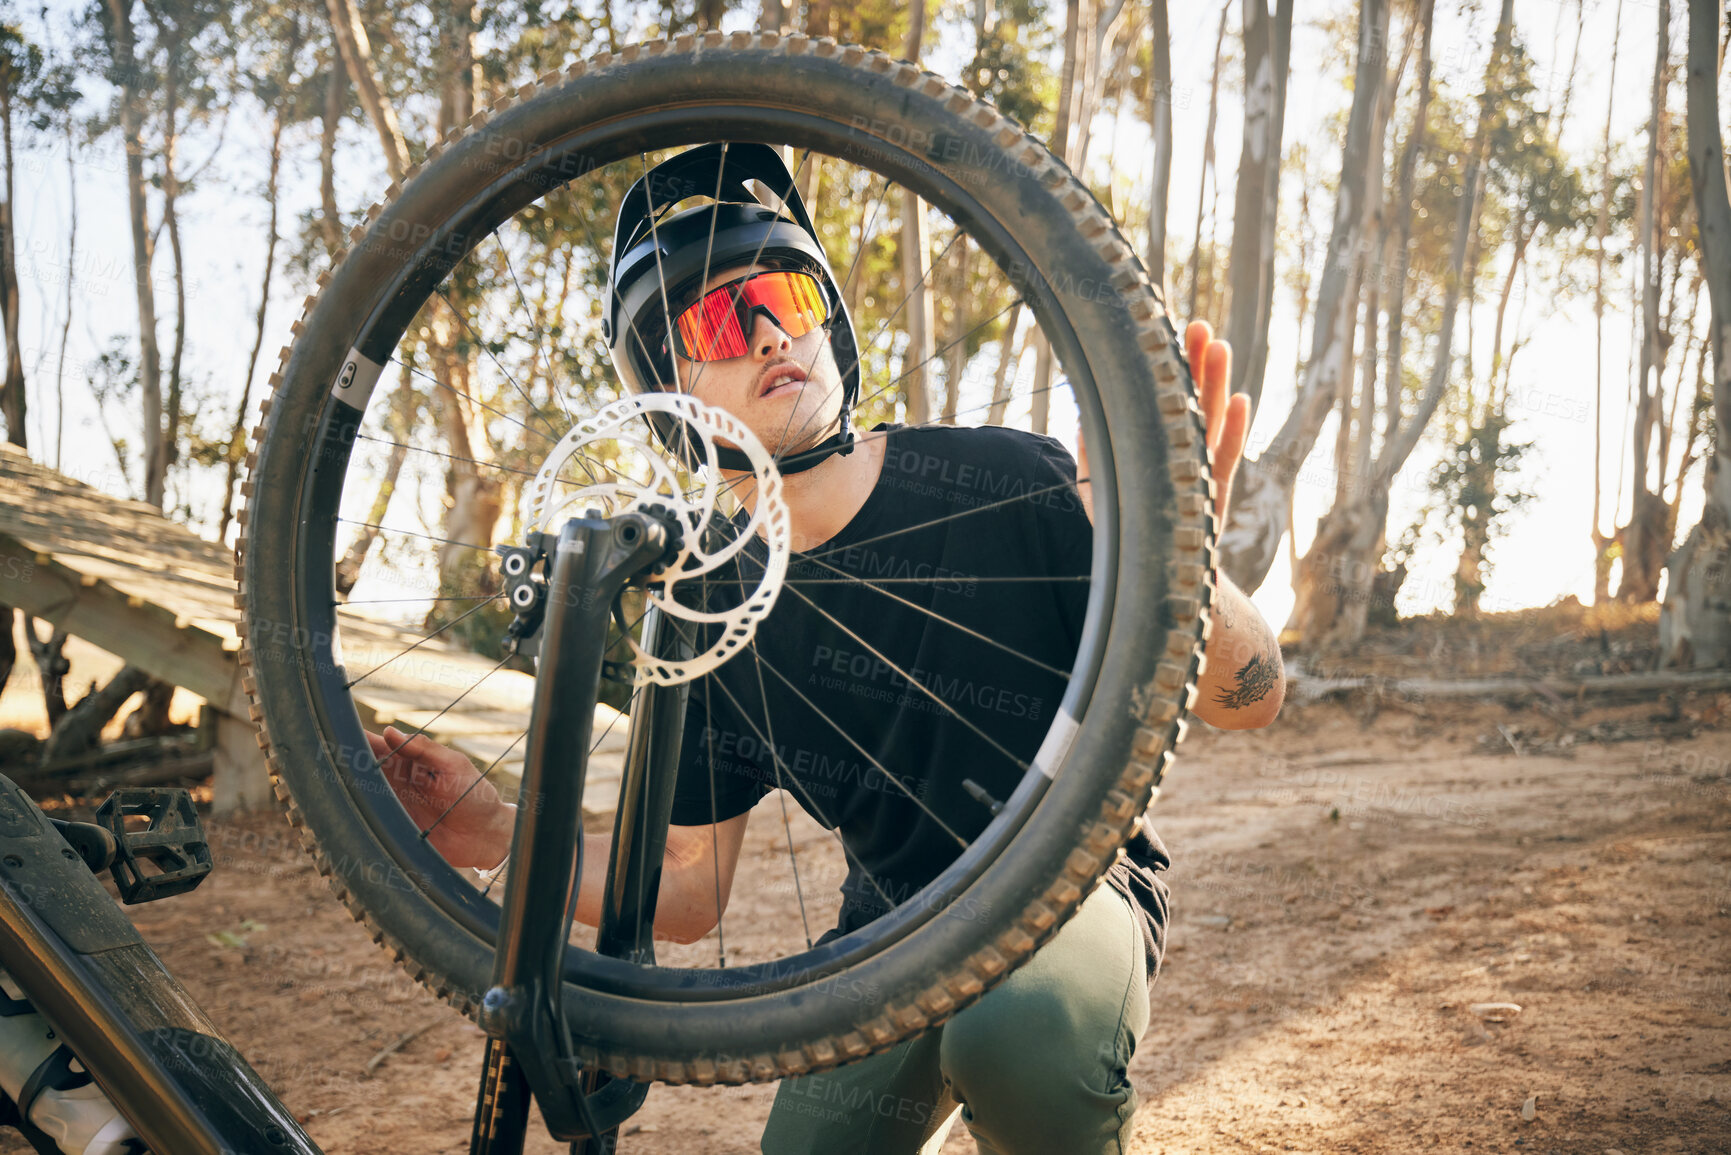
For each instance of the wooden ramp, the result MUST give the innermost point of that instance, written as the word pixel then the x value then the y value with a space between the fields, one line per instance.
pixel 120 575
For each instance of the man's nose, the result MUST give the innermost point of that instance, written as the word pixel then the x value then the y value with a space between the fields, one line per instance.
pixel 767 338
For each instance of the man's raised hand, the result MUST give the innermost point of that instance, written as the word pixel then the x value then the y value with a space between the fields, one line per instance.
pixel 465 819
pixel 1226 418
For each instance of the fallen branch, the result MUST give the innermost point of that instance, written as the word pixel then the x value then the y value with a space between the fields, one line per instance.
pixel 403 1040
pixel 1553 688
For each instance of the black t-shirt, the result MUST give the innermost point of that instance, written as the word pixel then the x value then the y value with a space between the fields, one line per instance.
pixel 922 650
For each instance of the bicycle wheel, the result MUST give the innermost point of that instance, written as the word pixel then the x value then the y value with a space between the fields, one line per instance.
pixel 436 285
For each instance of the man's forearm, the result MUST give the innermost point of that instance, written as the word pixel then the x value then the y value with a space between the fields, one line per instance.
pixel 596 850
pixel 1243 682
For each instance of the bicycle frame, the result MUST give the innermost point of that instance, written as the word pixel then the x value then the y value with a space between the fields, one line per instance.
pixel 85 968
pixel 529 1045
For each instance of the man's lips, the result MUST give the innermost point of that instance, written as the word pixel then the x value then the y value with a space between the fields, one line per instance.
pixel 781 379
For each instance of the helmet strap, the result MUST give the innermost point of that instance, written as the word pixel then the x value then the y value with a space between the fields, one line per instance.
pixel 841 441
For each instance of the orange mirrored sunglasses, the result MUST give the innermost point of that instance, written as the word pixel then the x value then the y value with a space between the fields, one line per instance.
pixel 718 325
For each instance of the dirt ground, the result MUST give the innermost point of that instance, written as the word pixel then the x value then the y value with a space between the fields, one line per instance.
pixel 1349 883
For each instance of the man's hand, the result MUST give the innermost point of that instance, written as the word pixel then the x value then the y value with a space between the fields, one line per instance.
pixel 1226 419
pixel 466 819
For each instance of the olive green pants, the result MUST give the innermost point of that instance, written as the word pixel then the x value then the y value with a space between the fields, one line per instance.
pixel 1039 1065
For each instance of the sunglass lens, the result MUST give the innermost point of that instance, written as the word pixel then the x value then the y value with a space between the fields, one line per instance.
pixel 710 329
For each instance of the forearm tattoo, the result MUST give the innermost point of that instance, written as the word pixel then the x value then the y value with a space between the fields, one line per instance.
pixel 1255 679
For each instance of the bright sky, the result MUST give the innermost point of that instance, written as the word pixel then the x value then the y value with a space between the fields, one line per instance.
pixel 1544 556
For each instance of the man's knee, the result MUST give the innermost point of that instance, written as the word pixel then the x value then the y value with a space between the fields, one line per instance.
pixel 1019 1040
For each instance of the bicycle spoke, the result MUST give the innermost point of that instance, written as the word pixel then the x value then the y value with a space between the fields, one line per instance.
pixel 907 371
pixel 439 453
pixel 971 632
pixel 540 335
pixel 829 824
pixel 491 766
pixel 421 600
pixel 495 411
pixel 739 482
pixel 413 533
pixel 714 827
pixel 849 738
pixel 1028 496
pixel 909 678
pixel 592 748
pixel 781 791
pixel 485 348
pixel 423 641
pixel 451 705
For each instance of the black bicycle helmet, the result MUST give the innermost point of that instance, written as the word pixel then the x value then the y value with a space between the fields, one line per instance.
pixel 660 253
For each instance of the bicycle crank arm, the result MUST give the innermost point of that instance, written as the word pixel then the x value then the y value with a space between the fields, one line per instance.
pixel 587 568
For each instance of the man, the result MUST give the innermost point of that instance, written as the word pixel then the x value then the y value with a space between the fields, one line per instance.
pixel 758 329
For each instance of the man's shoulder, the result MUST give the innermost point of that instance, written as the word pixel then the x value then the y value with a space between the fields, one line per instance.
pixel 919 448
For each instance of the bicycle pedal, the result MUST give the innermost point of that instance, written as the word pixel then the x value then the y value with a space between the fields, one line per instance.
pixel 168 855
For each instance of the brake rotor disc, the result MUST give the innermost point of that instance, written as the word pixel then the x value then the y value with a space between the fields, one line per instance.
pixel 615 463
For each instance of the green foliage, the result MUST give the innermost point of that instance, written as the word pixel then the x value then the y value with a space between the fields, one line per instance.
pixel 1008 68
pixel 1474 488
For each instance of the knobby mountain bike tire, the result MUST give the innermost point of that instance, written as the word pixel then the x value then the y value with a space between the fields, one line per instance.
pixel 1133 677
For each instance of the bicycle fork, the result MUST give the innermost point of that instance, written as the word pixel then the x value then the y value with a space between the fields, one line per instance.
pixel 529 1049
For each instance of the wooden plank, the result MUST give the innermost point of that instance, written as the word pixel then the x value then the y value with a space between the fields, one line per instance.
pixel 146 635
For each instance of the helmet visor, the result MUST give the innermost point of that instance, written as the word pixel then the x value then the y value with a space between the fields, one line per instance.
pixel 718 324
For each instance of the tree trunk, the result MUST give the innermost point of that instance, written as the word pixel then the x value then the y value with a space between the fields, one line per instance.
pixel 1332 584
pixel 1208 166
pixel 1008 359
pixel 1256 363
pixel 404 404
pixel 956 344
pixel 1064 138
pixel 1160 124
pixel 1400 443
pixel 51 666
pixel 150 718
pixel 916 286
pixel 472 496
pixel 1257 194
pixel 330 217
pixel 1601 540
pixel 71 278
pixel 13 404
pixel 1403 215
pixel 171 221
pixel 1643 554
pixel 237 438
pixel 8 645
pixel 149 358
pixel 1695 621
pixel 80 729
pixel 1263 493
pixel 818 21
pixel 1093 79
pixel 774 15
pixel 357 54
pixel 916 269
